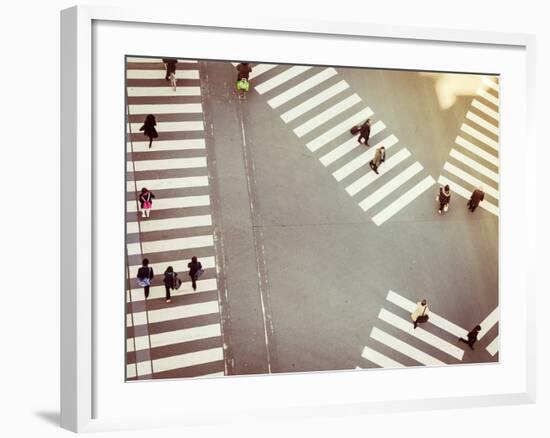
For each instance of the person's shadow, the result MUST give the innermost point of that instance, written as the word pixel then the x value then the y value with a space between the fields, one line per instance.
pixel 52 417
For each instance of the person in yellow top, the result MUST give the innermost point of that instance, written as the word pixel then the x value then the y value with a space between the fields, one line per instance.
pixel 420 315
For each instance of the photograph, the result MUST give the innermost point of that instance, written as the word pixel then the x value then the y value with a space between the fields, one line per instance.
pixel 286 218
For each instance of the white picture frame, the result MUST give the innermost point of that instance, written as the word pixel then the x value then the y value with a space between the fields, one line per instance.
pixel 79 173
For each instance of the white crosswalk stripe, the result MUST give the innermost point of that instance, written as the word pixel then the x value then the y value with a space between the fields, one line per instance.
pixel 170 245
pixel 161 74
pixel 187 359
pixel 485 109
pixel 172 126
pixel 469 179
pixel 487 96
pixel 281 78
pixel 163 91
pixel 151 225
pixel 479 136
pixel 491 84
pixel 379 359
pixel 156 60
pixel 478 151
pixel 169 203
pixel 159 108
pixel 260 69
pixel 488 323
pixel 173 337
pixel 168 183
pixel 459 190
pixel 481 122
pixel 494 346
pixel 167 145
pixel 171 163
pixel 474 165
pixel 206 285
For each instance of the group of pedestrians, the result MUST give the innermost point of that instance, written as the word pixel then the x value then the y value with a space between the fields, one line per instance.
pixel 171 280
pixel 421 316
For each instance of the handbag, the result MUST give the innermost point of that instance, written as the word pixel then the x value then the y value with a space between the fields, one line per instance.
pixel 355 130
pixel 177 282
pixel 199 273
pixel 147 204
pixel 423 318
pixel 144 282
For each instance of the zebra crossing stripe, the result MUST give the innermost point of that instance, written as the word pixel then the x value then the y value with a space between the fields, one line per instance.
pixel 173 337
pixel 185 126
pixel 491 84
pixel 173 313
pixel 156 60
pixel 157 108
pixel 478 151
pixel 163 91
pixel 166 145
pixel 488 323
pixel 314 101
pixel 485 109
pixel 469 179
pixel 301 88
pixel 367 179
pixel 481 122
pixel 169 203
pixel 178 244
pixel 349 145
pixel 423 335
pixel 364 158
pixel 178 265
pixel 461 191
pixel 281 78
pixel 339 129
pixel 187 360
pixel 487 96
pixel 171 163
pixel 403 200
pixel 151 225
pixel 260 69
pixel 474 165
pixel 156 292
pixel 379 359
pixel 479 136
pixel 161 74
pixel 392 185
pixel 493 347
pixel 326 115
pixel 404 348
pixel 168 183
pixel 138 369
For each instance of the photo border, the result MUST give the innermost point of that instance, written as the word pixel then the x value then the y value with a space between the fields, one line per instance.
pixel 77 198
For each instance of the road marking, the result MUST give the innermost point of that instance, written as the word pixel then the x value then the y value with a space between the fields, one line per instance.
pixel 481 122
pixel 179 244
pixel 168 183
pixel 379 359
pixel 314 101
pixel 169 203
pixel 173 337
pixel 488 323
pixel 479 136
pixel 451 168
pixel 492 84
pixel 493 347
pixel 163 91
pixel 281 78
pixel 351 166
pixel 172 126
pixel 367 179
pixel 140 369
pixel 157 108
pixel 461 191
pixel 179 265
pixel 474 165
pixel 166 145
pixel 485 109
pixel 161 74
pixel 176 312
pixel 156 60
pixel 339 129
pixel 478 151
pixel 403 200
pixel 487 96
pixel 187 360
pixel 392 185
pixel 156 292
pixel 326 115
pixel 349 145
pixel 302 87
pixel 404 348
pixel 423 335
pixel 260 69
pixel 170 163
pixel 175 223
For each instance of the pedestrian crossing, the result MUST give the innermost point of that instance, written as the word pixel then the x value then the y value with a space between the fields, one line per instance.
pixel 320 109
pixel 473 161
pixel 183 338
pixel 394 343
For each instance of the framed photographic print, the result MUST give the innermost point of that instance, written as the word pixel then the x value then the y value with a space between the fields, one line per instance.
pixel 310 217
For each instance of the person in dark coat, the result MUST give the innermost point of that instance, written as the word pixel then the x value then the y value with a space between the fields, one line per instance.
pixel 472 336
pixel 243 71
pixel 148 128
pixel 170 64
pixel 169 281
pixel 146 202
pixel 195 271
pixel 379 158
pixel 444 198
pixel 145 276
pixel 364 132
pixel 477 196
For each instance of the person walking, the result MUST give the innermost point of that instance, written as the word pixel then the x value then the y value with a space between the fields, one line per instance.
pixel 170 64
pixel 195 271
pixel 148 128
pixel 472 336
pixel 170 279
pixel 420 315
pixel 379 158
pixel 146 202
pixel 364 132
pixel 145 276
pixel 243 73
pixel 444 198
pixel 478 195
